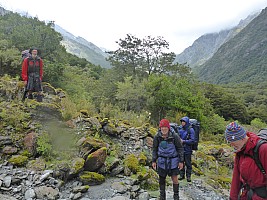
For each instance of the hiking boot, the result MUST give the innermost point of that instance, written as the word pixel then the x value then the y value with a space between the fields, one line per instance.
pixel 30 96
pixel 162 195
pixel 188 179
pixel 175 191
pixel 181 178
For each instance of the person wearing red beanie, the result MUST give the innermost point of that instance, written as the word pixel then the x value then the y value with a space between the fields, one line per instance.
pixel 167 157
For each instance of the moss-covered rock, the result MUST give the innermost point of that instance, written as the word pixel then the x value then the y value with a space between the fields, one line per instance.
pixel 26 153
pixel 153 131
pixel 111 162
pixel 81 189
pixel 91 178
pixel 48 88
pixel 111 129
pixel 38 165
pixel 10 150
pixel 131 162
pixel 18 160
pixel 14 119
pixel 95 160
pixel 142 158
pixel 219 182
pixel 91 143
pixel 76 166
pixel 143 173
pixel 30 143
pixel 151 181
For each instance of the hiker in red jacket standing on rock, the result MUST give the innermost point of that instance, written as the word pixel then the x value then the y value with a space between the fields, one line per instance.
pixel 32 74
pixel 248 182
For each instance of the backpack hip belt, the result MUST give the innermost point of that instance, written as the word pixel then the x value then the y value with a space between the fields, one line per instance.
pixel 260 191
pixel 168 166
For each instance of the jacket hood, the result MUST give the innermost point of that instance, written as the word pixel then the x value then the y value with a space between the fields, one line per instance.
pixel 251 143
pixel 186 119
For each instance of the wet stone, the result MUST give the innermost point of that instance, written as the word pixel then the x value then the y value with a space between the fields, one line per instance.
pixel 7 181
pixel 29 194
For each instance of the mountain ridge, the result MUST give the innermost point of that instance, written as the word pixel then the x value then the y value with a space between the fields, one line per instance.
pixel 83 48
pixel 206 45
pixel 242 58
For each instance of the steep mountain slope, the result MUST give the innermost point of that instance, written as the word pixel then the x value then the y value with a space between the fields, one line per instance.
pixel 241 59
pixel 3 11
pixel 83 49
pixel 205 46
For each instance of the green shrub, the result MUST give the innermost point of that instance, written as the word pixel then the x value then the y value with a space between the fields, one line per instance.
pixel 18 160
pixel 142 158
pixel 14 115
pixel 69 109
pixel 132 163
pixel 44 146
pixel 258 123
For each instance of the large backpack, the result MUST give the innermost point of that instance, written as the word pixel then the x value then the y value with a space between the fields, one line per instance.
pixel 193 124
pixel 263 135
pixel 25 54
pixel 175 127
pixel 196 126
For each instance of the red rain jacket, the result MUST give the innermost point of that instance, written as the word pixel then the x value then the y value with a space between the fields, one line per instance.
pixel 38 62
pixel 246 171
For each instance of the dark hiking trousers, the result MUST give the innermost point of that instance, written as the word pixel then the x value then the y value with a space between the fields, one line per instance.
pixel 187 170
pixel 34 83
pixel 162 186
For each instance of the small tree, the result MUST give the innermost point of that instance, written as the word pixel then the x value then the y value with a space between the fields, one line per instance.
pixel 132 94
pixel 141 57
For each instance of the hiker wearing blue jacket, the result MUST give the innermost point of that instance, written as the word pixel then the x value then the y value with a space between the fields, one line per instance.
pixel 187 135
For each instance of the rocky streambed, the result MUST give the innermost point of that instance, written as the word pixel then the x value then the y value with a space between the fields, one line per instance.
pixel 110 149
pixel 21 183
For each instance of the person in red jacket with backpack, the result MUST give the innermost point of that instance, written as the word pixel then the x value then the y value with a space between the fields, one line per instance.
pixel 248 182
pixel 32 74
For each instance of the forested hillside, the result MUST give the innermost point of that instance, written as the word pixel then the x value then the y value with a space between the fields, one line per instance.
pixel 205 46
pixel 134 86
pixel 242 59
pixel 82 48
pixel 111 115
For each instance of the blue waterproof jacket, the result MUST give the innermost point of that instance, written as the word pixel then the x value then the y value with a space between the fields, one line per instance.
pixel 187 138
pixel 167 152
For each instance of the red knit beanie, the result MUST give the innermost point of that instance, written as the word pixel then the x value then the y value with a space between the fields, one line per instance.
pixel 164 123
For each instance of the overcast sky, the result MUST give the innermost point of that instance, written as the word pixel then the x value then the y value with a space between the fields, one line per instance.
pixel 103 22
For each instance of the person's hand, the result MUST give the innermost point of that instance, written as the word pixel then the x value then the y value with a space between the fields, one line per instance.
pixel 180 165
pixel 154 165
pixel 25 83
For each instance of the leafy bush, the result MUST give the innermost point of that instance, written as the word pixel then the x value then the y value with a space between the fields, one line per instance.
pixel 69 109
pixel 258 123
pixel 44 146
pixel 13 115
pixel 132 163
pixel 214 124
